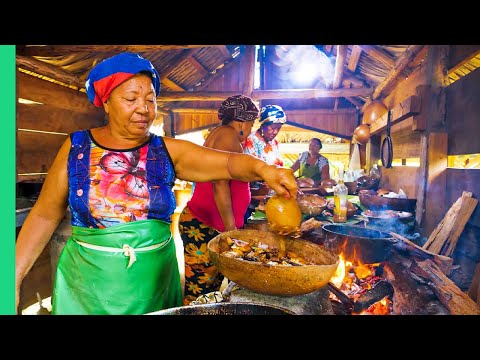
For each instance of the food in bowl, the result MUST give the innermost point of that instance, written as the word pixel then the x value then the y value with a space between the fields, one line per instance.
pixel 319 263
pixel 311 204
pixel 328 185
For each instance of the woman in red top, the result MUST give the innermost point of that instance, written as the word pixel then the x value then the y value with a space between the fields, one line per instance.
pixel 216 206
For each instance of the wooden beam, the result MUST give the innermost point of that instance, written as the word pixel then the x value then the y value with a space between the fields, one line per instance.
pixel 174 63
pixel 195 110
pixel 397 69
pixel 59 50
pixel 378 55
pixel 263 94
pixel 358 104
pixel 407 108
pixel 50 71
pixel 430 195
pixel 354 58
pixel 463 62
pixel 199 67
pixel 249 66
pixel 339 65
pixel 171 84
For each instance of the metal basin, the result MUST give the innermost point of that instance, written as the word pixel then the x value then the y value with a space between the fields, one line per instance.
pixel 279 280
pixel 225 309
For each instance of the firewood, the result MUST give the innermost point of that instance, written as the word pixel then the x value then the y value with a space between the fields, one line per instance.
pixel 444 237
pixel 381 289
pixel 404 245
pixel 451 296
pixel 474 290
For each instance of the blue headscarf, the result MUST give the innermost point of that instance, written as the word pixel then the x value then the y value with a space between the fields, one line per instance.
pixel 111 72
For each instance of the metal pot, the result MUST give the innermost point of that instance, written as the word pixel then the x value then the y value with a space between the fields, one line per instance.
pixel 364 244
pixel 225 309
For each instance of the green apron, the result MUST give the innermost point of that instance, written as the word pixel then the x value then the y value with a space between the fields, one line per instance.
pixel 311 172
pixel 123 269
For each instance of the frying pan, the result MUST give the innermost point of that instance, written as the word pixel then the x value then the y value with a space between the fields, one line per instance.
pixel 387 146
pixel 225 308
pixel 362 243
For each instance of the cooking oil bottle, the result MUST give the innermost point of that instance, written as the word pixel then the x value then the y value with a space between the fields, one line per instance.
pixel 340 192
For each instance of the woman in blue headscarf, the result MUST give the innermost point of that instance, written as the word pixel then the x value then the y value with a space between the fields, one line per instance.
pixel 117 180
pixel 262 143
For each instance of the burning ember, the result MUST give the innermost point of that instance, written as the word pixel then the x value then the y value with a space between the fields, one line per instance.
pixel 364 286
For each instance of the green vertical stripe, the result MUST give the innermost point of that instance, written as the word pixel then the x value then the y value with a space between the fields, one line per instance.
pixel 7 179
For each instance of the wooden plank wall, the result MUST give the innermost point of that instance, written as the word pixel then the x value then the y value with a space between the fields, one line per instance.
pixel 64 110
pixel 463 115
pixel 400 177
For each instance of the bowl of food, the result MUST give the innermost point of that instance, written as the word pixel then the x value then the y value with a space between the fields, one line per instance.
pixel 376 202
pixel 311 204
pixel 268 263
pixel 327 185
pixel 352 208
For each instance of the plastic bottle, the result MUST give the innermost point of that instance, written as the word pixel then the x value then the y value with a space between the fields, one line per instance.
pixel 340 192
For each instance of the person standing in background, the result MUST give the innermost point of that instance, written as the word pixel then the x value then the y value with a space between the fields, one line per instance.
pixel 311 165
pixel 262 143
pixel 216 206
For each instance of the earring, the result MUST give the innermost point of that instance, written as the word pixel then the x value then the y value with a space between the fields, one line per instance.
pixel 241 132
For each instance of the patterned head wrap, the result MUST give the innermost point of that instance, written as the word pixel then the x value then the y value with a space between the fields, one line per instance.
pixel 238 107
pixel 111 72
pixel 272 114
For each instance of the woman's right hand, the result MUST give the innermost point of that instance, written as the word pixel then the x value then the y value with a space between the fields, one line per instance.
pixel 281 180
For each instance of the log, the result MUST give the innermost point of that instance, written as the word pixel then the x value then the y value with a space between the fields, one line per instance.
pixel 401 63
pixel 50 71
pixel 444 237
pixel 413 250
pixel 263 94
pixel 412 295
pixel 381 289
pixel 379 55
pixel 474 289
pixel 339 65
pixel 450 295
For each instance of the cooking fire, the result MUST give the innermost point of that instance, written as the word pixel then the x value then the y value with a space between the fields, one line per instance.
pixel 369 293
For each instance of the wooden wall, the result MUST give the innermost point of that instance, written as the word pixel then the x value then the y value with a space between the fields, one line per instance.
pixel 62 110
pixel 463 115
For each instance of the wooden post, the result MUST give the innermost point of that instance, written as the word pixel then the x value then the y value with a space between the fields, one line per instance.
pixel 249 65
pixel 431 194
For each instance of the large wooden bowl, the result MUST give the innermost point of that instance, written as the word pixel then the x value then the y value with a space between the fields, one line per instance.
pixel 375 202
pixel 279 280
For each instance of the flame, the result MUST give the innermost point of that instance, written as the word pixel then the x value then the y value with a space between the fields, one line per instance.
pixel 354 280
pixel 339 275
pixel 381 307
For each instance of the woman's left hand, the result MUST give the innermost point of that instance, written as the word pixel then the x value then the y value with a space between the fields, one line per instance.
pixel 281 180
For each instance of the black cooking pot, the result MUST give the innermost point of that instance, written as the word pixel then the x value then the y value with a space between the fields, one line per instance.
pixel 225 308
pixel 364 244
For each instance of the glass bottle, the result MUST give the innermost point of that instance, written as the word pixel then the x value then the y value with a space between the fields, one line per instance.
pixel 340 192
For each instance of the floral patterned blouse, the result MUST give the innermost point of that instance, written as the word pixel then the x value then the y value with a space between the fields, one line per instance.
pixel 268 152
